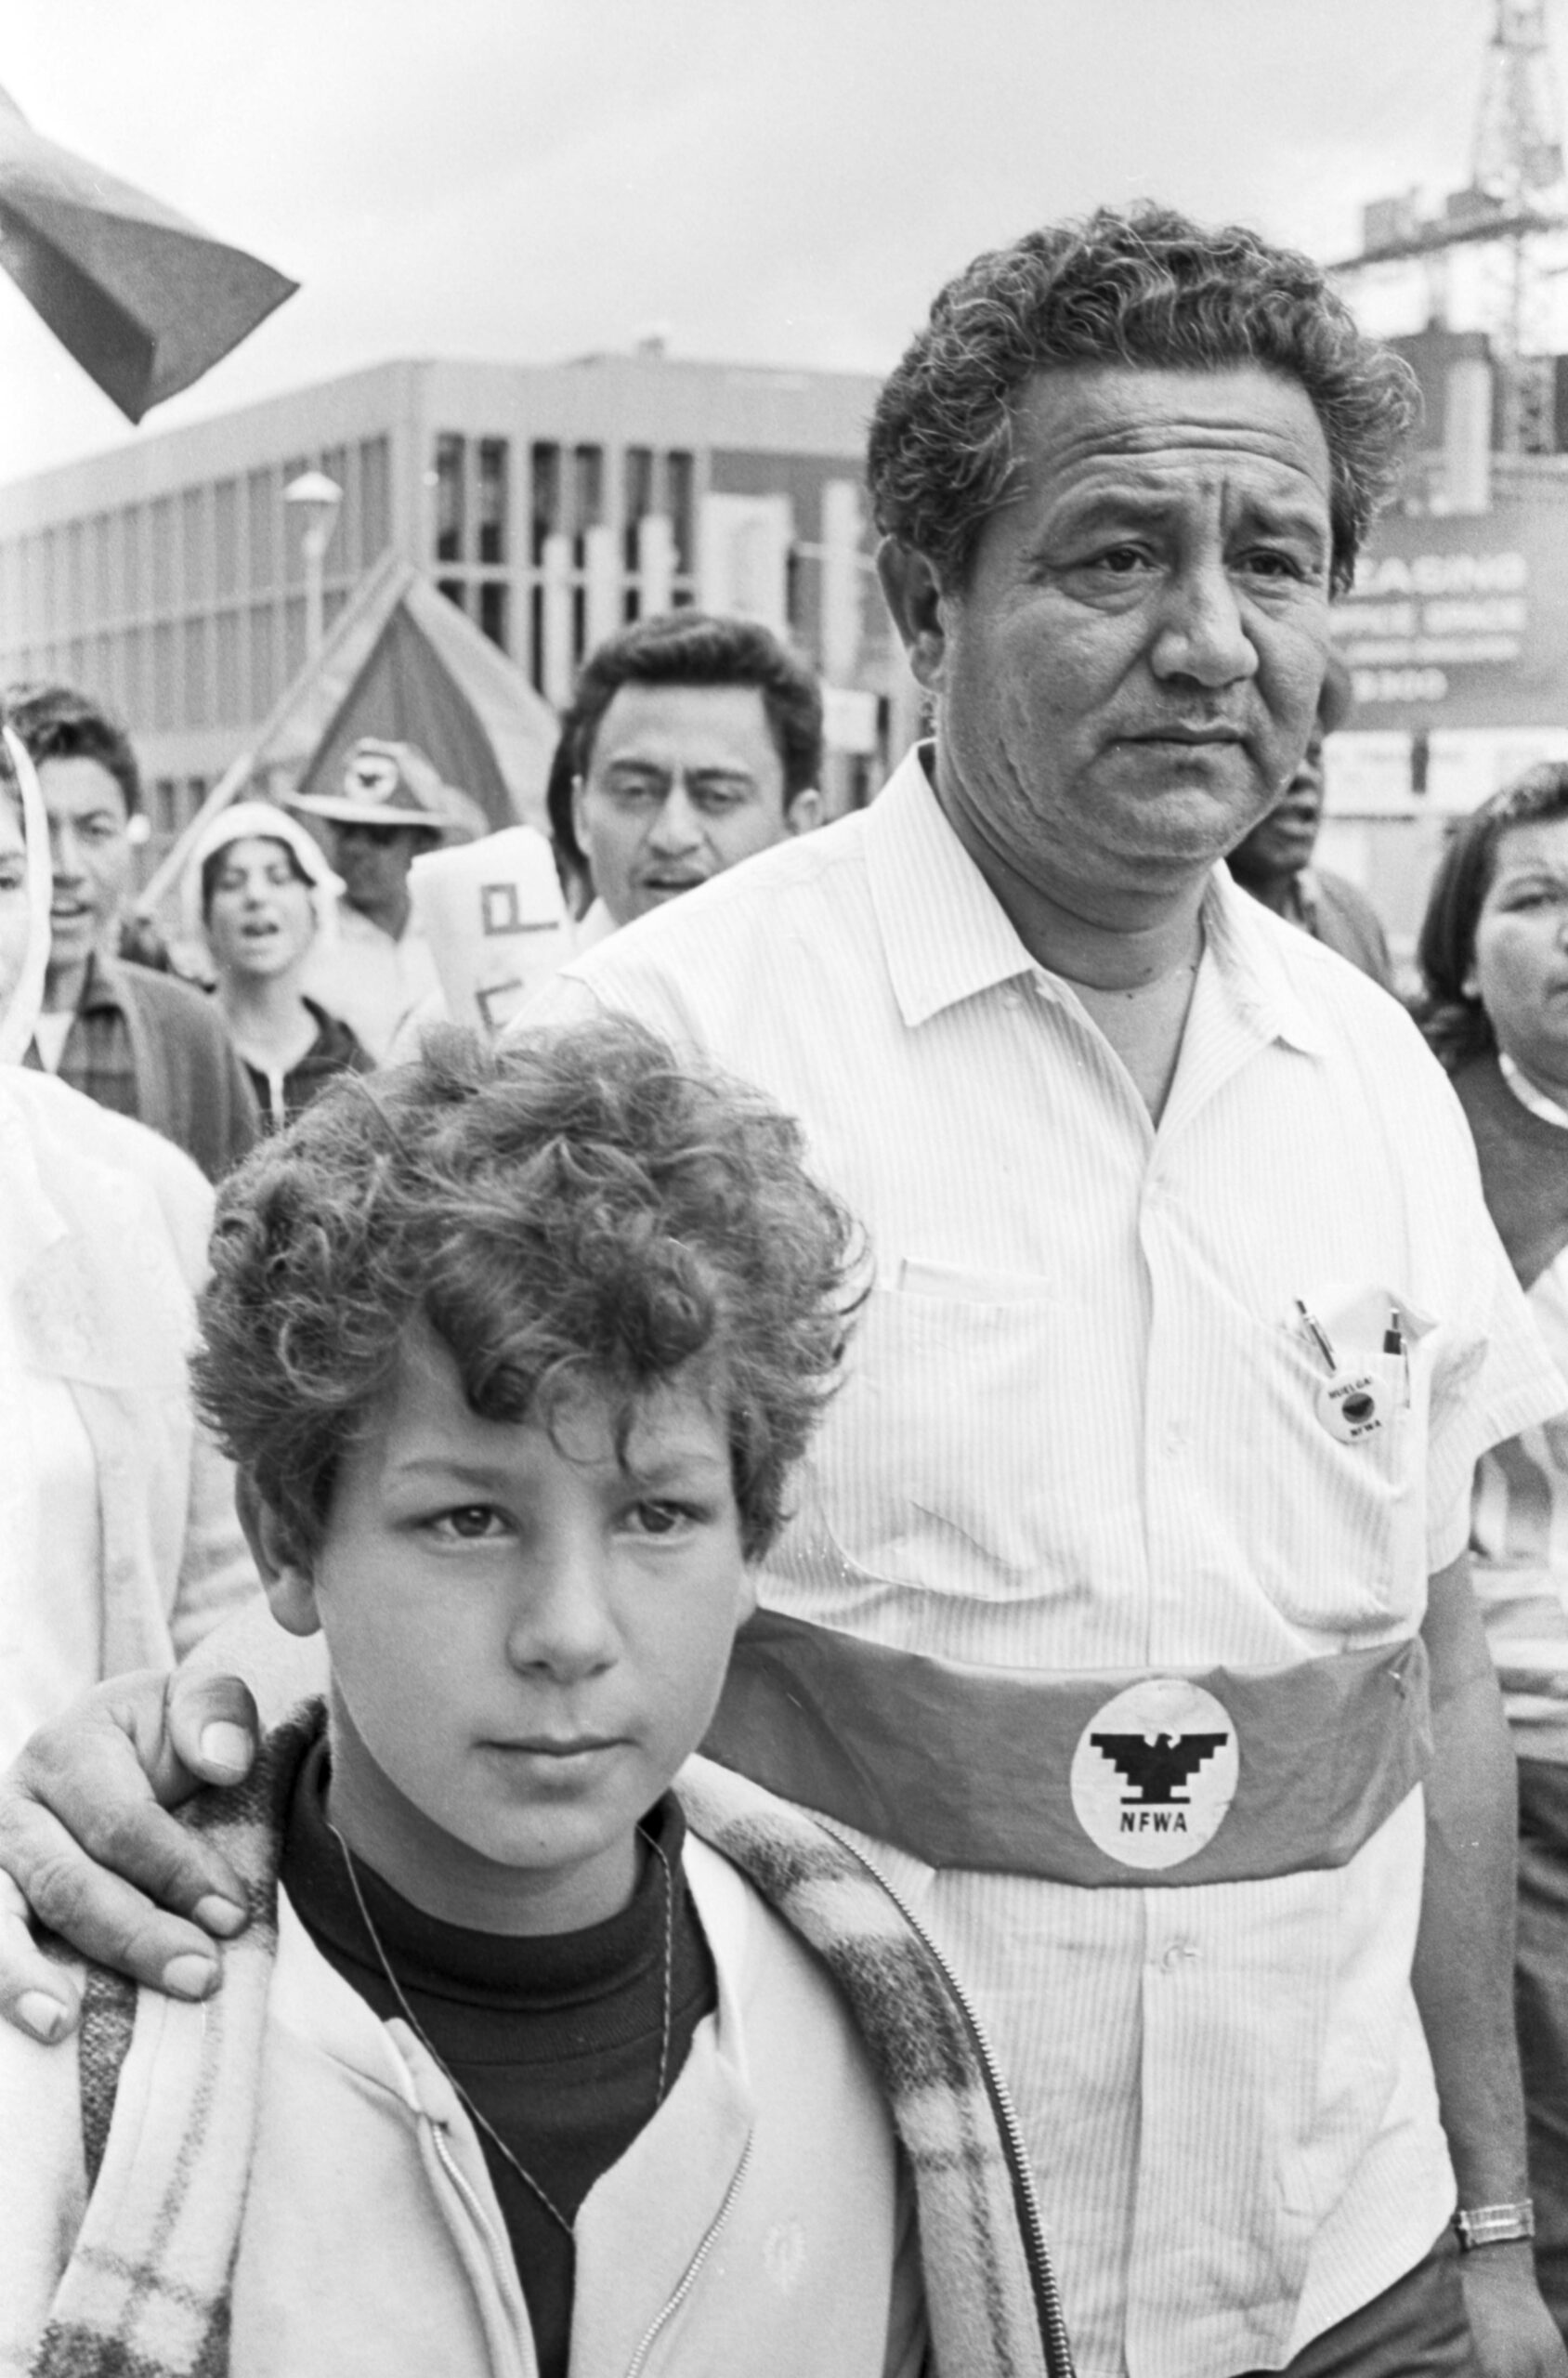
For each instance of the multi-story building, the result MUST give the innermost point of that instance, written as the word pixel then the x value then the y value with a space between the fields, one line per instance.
pixel 552 503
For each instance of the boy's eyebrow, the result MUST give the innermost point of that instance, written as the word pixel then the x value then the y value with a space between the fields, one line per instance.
pixel 469 1472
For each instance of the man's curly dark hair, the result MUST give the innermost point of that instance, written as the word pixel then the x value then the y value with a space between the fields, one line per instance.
pixel 1149 288
pixel 576 1211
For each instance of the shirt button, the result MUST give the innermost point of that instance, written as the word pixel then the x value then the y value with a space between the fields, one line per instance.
pixel 1177 1953
pixel 1012 996
pixel 1176 1437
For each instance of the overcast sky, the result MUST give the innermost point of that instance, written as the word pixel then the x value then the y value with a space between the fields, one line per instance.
pixel 781 181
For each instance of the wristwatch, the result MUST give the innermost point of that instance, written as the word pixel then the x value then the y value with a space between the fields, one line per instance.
pixel 1494 2224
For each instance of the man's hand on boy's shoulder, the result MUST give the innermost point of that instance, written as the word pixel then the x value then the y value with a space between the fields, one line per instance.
pixel 85 1843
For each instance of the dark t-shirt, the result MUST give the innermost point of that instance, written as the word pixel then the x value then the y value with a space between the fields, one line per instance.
pixel 554 2038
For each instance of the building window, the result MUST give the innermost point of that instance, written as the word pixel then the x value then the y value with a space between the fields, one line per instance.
pixel 588 492
pixel 294 527
pixel 134 689
pixel 228 703
pixel 74 575
pixel 163 518
pixel 165 699
pixel 334 463
pixel 165 808
pixel 493 608
pixel 198 692
pixel 681 478
pixel 197 585
pixel 100 592
pixel 455 591
pixel 47 549
pixel 375 500
pixel 226 537
pixel 637 503
pixel 132 540
pixel 264 659
pixel 451 453
pixel 262 504
pixel 493 524
pixel 544 470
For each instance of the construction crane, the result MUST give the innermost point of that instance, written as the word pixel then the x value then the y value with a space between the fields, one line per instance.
pixel 1513 212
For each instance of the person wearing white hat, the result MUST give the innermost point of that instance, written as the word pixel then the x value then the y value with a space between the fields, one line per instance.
pixel 258 892
pixel 392 805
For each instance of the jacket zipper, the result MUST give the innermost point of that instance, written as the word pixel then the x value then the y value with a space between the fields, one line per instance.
pixel 1058 2349
pixel 650 2334
pixel 501 2254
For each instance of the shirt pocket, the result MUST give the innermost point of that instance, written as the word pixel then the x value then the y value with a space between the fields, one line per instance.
pixel 1341 1543
pixel 934 1468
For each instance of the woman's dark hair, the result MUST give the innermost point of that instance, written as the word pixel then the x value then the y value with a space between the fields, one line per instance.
pixel 1456 1026
pixel 577 1211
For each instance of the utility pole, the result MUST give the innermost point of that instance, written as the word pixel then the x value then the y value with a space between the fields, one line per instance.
pixel 1517 163
pixel 1513 211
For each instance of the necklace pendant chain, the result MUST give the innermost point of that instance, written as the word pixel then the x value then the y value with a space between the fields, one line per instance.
pixel 551 2207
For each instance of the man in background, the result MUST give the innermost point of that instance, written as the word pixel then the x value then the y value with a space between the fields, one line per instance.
pixel 378 967
pixel 1274 861
pixel 137 1042
pixel 692 742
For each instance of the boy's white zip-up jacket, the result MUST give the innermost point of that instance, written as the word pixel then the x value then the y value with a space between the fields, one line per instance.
pixel 290 2187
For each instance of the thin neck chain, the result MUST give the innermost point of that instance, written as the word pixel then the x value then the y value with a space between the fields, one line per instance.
pixel 551 2207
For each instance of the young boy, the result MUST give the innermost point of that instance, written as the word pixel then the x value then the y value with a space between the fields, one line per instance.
pixel 514 1352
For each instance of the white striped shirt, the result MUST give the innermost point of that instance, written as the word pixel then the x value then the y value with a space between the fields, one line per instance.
pixel 1080 1433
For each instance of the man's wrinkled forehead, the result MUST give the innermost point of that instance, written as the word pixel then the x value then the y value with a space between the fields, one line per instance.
pixel 1153 428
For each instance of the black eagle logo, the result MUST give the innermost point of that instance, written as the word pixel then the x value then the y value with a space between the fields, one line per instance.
pixel 1155 1769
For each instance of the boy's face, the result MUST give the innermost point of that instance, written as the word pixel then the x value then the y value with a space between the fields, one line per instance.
pixel 526 1641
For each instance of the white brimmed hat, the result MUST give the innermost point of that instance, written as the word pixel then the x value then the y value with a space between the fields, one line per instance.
pixel 261 821
pixel 387 784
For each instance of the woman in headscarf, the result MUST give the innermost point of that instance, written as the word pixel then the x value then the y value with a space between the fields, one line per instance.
pixel 258 892
pixel 119 1543
pixel 1494 960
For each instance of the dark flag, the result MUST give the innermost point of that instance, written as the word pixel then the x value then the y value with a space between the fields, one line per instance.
pixel 143 300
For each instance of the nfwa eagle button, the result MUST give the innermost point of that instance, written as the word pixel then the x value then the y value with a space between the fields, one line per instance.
pixel 1154 1773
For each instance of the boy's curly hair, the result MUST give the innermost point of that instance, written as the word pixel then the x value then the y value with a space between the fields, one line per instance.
pixel 579 1211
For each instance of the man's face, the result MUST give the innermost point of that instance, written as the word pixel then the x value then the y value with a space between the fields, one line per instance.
pixel 1281 843
pixel 683 781
pixel 1132 672
pixel 90 850
pixel 373 862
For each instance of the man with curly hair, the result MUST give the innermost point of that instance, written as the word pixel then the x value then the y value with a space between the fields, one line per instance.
pixel 1124 1616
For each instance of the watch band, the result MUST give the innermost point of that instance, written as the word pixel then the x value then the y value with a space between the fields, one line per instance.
pixel 1494 2224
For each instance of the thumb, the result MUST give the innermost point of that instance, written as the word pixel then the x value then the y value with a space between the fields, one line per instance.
pixel 213 1727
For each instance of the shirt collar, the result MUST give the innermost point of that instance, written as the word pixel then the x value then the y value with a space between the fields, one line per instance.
pixel 1524 1090
pixel 946 935
pixel 1252 955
